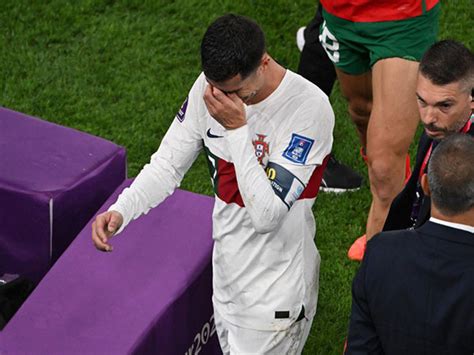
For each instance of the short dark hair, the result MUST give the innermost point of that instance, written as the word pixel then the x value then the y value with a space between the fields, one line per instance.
pixel 232 45
pixel 448 61
pixel 451 174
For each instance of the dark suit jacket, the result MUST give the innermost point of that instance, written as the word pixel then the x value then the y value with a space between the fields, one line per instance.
pixel 414 294
pixel 400 211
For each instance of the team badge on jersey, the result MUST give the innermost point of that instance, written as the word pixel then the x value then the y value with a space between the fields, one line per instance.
pixel 262 148
pixel 298 149
pixel 182 111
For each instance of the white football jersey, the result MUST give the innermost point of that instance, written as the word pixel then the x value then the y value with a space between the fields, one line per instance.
pixel 266 176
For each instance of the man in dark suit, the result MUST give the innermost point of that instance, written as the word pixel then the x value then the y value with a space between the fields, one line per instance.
pixel 445 101
pixel 413 293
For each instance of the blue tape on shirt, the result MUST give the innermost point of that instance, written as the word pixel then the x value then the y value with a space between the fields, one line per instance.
pixel 298 149
pixel 285 185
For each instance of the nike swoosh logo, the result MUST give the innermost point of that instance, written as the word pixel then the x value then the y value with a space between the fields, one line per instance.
pixel 210 135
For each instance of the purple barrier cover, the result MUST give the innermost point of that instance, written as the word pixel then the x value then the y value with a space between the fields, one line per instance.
pixel 151 295
pixel 52 180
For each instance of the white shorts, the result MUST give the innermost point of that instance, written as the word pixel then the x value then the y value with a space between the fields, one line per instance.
pixel 235 340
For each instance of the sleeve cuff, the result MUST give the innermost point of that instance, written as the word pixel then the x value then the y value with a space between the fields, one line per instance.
pixel 126 220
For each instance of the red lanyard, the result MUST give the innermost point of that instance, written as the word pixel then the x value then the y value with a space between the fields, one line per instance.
pixel 467 126
pixel 465 129
pixel 425 161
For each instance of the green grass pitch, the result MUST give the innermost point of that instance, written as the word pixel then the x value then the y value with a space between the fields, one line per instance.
pixel 121 69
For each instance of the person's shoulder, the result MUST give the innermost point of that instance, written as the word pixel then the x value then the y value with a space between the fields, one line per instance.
pixel 307 101
pixel 393 236
pixel 196 93
pixel 305 88
pixel 391 240
pixel 387 250
pixel 200 83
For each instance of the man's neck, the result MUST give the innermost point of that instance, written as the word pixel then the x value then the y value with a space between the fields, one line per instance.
pixel 466 218
pixel 274 75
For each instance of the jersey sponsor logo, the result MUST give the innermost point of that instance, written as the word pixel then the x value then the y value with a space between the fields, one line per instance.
pixel 210 135
pixel 298 149
pixel 261 147
pixel 182 111
pixel 285 185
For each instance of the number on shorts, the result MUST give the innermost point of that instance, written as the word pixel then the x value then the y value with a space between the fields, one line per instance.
pixel 330 44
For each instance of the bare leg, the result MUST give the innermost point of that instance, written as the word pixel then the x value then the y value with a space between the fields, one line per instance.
pixel 382 105
pixel 391 128
pixel 357 89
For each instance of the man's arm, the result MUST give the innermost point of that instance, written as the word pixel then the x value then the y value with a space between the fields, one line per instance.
pixel 266 202
pixel 159 178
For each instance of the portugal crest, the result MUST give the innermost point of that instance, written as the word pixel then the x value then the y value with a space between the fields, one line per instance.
pixel 261 147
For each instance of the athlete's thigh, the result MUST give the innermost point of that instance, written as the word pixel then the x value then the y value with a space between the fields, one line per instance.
pixel 355 87
pixel 394 116
pixel 348 51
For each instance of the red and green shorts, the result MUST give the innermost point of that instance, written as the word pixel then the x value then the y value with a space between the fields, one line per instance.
pixel 354 47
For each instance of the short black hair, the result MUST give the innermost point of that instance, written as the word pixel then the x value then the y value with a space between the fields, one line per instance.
pixel 448 61
pixel 232 45
pixel 451 174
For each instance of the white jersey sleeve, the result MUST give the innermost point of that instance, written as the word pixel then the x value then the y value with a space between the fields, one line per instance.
pixel 160 177
pixel 307 138
pixel 304 143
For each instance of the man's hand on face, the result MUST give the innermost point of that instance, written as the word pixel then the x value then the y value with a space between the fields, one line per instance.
pixel 227 109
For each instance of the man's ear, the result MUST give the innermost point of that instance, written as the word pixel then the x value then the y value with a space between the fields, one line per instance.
pixel 265 61
pixel 425 185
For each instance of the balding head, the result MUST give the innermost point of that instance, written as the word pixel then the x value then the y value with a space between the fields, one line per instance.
pixel 451 175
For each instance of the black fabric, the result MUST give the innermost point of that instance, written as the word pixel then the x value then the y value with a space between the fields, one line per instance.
pixel 12 296
pixel 286 314
pixel 302 315
pixel 413 293
pixel 400 213
pixel 314 63
pixel 282 314
pixel 282 181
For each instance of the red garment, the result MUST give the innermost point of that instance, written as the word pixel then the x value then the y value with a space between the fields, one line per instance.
pixel 376 10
